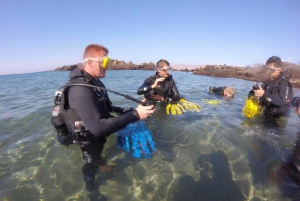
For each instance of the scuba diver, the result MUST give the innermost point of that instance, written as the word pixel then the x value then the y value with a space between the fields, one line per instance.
pixel 161 86
pixel 276 93
pixel 226 92
pixel 296 104
pixel 86 107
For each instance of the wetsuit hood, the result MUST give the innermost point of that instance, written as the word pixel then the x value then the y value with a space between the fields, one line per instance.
pixel 78 72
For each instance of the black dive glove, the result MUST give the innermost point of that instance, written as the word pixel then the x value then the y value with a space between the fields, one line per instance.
pixel 254 87
pixel 251 93
pixel 129 110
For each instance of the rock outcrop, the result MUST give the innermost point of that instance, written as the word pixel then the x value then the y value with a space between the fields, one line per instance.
pixel 115 65
pixel 257 73
pixel 250 73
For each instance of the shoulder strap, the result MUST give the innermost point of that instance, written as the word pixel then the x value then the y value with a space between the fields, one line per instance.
pixel 65 89
pixel 86 82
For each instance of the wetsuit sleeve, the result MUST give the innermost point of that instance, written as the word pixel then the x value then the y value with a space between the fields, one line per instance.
pixel 284 96
pixel 117 110
pixel 146 87
pixel 84 101
pixel 175 96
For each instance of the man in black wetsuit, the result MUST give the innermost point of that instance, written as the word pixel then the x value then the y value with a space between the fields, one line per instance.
pixel 161 86
pixel 90 111
pixel 276 92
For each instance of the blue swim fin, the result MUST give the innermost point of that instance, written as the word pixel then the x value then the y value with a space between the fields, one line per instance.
pixel 136 139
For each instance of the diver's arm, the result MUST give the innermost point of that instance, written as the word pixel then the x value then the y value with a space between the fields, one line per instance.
pixel 146 87
pixel 283 97
pixel 83 101
pixel 150 83
pixel 175 93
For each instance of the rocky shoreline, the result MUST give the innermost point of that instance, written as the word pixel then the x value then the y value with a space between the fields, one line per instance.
pixel 247 73
pixel 115 65
pixel 251 73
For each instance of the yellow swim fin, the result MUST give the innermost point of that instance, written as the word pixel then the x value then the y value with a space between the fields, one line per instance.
pixel 188 105
pixel 175 108
pixel 251 107
pixel 212 102
pixel 167 108
pixel 247 110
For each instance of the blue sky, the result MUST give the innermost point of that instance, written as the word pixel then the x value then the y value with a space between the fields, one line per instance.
pixel 43 35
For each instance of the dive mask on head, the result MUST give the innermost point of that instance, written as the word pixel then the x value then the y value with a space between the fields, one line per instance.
pixel 104 61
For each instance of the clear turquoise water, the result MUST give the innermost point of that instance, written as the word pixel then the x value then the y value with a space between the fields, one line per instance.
pixel 216 154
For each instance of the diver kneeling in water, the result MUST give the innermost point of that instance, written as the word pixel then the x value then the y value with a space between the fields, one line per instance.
pixel 161 86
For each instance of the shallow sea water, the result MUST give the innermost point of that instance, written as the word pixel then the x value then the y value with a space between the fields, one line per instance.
pixel 216 154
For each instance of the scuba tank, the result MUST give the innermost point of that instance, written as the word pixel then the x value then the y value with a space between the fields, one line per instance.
pixel 57 120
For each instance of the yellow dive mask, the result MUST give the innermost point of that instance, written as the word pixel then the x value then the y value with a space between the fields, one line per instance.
pixel 104 61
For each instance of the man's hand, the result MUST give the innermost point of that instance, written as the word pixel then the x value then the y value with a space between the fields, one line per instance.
pixel 156 82
pixel 259 93
pixel 145 111
pixel 157 97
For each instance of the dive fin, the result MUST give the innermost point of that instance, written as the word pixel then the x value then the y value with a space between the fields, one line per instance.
pixel 212 102
pixel 136 139
pixel 251 107
pixel 175 108
pixel 188 105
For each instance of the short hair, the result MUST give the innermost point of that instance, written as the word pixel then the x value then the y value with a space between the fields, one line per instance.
pixel 161 63
pixel 92 49
pixel 275 60
pixel 230 90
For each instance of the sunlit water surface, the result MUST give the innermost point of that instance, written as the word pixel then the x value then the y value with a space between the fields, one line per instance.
pixel 216 154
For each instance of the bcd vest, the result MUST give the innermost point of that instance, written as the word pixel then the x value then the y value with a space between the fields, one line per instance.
pixel 275 90
pixel 70 128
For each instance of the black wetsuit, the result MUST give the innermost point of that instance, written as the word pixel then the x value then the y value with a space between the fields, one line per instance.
pixel 166 88
pixel 218 90
pixel 93 108
pixel 277 98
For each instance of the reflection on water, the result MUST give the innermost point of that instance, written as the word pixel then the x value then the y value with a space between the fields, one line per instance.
pixel 216 154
